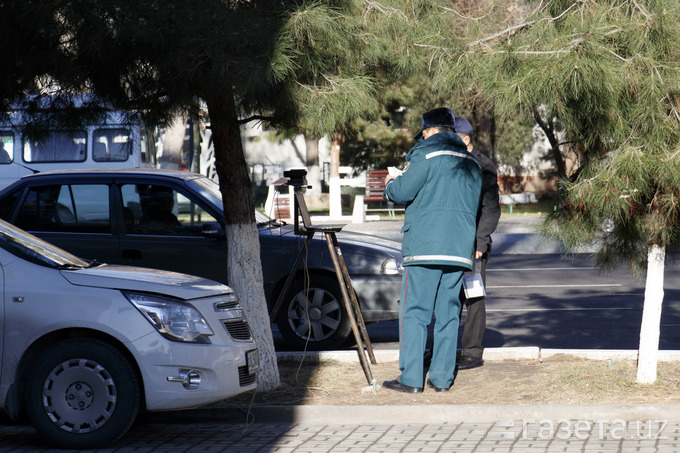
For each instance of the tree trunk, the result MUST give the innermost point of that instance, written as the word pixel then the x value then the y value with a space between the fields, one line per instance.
pixel 173 141
pixel 651 316
pixel 549 131
pixel 335 197
pixel 312 164
pixel 243 256
pixel 485 133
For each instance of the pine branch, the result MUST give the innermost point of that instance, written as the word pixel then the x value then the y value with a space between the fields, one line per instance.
pixel 642 10
pixel 383 9
pixel 523 25
pixel 501 33
pixel 255 118
pixel 462 16
pixel 671 157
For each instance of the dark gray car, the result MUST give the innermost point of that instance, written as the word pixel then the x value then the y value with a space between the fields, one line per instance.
pixel 174 220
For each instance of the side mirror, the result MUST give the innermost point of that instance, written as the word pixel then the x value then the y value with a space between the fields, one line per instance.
pixel 213 230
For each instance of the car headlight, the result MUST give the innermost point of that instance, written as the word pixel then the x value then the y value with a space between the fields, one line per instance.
pixel 392 266
pixel 175 320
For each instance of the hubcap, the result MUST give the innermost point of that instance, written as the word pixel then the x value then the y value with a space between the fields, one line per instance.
pixel 314 315
pixel 79 395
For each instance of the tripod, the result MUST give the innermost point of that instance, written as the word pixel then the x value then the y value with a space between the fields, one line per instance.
pixel 348 294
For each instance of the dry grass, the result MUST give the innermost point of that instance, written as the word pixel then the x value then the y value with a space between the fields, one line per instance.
pixel 556 381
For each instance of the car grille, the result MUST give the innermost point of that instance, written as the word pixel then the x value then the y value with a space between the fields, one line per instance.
pixel 233 319
pixel 226 305
pixel 244 378
pixel 238 329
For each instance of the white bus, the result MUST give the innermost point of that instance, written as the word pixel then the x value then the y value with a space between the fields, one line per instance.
pixel 115 142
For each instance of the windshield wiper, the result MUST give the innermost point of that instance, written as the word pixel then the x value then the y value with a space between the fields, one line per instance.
pixel 69 267
pixel 267 223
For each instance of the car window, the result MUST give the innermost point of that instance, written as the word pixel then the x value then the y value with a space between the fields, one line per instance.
pixel 56 147
pixel 6 147
pixel 210 190
pixel 7 204
pixel 81 208
pixel 111 145
pixel 161 210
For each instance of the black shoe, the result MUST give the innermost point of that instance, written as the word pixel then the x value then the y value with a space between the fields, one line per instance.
pixel 466 362
pixel 399 387
pixel 438 389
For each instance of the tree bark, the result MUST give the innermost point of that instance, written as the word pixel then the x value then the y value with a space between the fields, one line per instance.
pixel 651 315
pixel 173 141
pixel 243 255
pixel 549 131
pixel 312 164
pixel 485 133
pixel 335 197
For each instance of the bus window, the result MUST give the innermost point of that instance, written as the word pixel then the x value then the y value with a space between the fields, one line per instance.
pixel 111 145
pixel 148 148
pixel 6 147
pixel 57 147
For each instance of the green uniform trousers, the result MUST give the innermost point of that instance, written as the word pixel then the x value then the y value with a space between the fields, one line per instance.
pixel 424 290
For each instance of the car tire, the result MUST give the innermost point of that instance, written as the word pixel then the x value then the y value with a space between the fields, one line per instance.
pixel 82 393
pixel 321 301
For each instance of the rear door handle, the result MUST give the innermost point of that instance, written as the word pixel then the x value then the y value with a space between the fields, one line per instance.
pixel 132 254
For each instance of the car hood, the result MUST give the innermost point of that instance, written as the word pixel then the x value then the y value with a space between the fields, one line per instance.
pixel 131 278
pixel 368 240
pixel 348 238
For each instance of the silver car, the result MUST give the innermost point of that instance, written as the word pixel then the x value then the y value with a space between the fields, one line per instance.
pixel 85 346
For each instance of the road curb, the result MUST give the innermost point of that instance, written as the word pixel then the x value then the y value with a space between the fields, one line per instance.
pixel 452 413
pixel 420 414
pixel 608 354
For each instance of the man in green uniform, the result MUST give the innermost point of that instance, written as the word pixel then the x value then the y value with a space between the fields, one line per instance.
pixel 440 188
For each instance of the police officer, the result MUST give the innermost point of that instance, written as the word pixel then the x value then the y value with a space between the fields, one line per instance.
pixel 487 220
pixel 440 187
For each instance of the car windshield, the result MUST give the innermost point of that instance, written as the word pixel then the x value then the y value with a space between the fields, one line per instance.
pixel 211 191
pixel 30 248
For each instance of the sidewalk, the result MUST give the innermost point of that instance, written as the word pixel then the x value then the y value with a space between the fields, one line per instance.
pixel 378 436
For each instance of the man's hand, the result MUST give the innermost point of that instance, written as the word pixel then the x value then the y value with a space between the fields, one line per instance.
pixel 478 254
pixel 388 178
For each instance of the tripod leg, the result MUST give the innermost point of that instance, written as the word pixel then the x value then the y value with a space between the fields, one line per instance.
pixel 286 286
pixel 355 301
pixel 330 240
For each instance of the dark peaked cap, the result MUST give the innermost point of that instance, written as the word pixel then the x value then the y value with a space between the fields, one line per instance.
pixel 463 126
pixel 439 117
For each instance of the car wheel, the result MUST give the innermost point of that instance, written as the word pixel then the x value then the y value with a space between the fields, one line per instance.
pixel 82 393
pixel 313 317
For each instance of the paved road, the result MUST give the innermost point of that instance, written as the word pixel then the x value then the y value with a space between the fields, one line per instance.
pixel 538 298
pixel 523 436
pixel 547 301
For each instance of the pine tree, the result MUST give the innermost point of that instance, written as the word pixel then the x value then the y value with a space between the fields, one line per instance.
pixel 609 72
pixel 292 63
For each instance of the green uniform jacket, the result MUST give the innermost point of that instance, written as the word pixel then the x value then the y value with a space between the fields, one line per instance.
pixel 440 188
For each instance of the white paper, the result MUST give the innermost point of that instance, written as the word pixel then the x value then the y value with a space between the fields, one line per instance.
pixel 394 171
pixel 473 285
